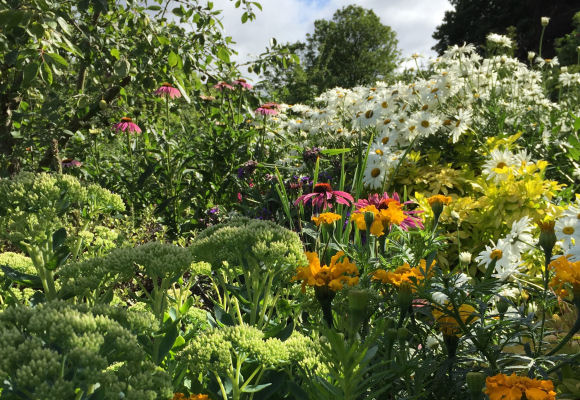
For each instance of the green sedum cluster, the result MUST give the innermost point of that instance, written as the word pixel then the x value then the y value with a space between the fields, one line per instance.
pixel 33 206
pixel 61 351
pixel 219 350
pixel 257 256
pixel 16 261
pixel 155 261
pixel 252 240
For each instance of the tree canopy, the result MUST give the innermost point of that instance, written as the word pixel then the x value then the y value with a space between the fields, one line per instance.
pixel 354 48
pixel 471 20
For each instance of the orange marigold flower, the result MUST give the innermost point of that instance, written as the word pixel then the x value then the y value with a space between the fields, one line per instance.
pixel 439 198
pixel 403 274
pixel 326 218
pixel 333 276
pixel 393 214
pixel 448 325
pixel 567 276
pixel 513 387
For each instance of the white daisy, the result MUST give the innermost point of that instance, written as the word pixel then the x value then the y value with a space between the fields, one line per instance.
pixel 498 165
pixel 568 231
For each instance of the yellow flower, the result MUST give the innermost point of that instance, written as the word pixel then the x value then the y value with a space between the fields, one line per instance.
pixel 181 396
pixel 403 274
pixel 567 275
pixel 326 218
pixel 385 217
pixel 448 325
pixel 439 198
pixel 513 387
pixel 333 276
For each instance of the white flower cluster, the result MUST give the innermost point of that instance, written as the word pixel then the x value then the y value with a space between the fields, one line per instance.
pixel 567 230
pixel 507 252
pixel 451 101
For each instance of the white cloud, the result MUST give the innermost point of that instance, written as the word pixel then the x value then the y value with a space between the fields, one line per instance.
pixel 290 20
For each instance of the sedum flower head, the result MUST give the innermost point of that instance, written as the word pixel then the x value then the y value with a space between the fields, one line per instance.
pixel 33 206
pixel 332 276
pixel 52 349
pixel 254 242
pixel 513 387
pixel 17 261
pixel 152 260
pixel 217 349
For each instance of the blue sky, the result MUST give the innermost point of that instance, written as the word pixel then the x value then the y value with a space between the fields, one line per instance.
pixel 289 20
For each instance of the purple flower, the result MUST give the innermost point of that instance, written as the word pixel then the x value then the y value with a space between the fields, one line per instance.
pixel 268 109
pixel 167 90
pixel 243 83
pixel 126 124
pixel 310 155
pixel 247 168
pixel 71 163
pixel 322 196
pixel 214 210
pixel 223 85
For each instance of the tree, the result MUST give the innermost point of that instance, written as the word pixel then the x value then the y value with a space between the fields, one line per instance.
pixel 568 46
pixel 471 20
pixel 354 48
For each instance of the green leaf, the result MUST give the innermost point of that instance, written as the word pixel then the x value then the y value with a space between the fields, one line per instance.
pixel 154 8
pixel 244 18
pixel 223 54
pixel 36 29
pixel 222 316
pixel 31 281
pixel 29 73
pixel 46 73
pixel 122 68
pixel 254 388
pixel 167 342
pixel 181 89
pixel 172 59
pixel 115 53
pixel 63 25
pixel 57 58
pixel 577 124
pixel 58 238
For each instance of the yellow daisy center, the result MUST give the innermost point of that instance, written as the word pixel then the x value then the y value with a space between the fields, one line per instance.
pixel 375 172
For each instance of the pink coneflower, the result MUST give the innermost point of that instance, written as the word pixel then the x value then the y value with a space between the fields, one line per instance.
pixel 322 196
pixel 167 90
pixel 223 85
pixel 71 163
pixel 382 202
pixel 243 83
pixel 268 109
pixel 126 124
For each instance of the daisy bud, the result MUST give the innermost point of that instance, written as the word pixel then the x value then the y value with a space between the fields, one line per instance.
pixel 531 55
pixel 547 237
pixel 545 21
pixel 465 257
pixel 502 307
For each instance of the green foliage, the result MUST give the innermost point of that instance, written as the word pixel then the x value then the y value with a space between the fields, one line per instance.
pixel 58 351
pixel 567 46
pixel 471 21
pixel 255 256
pixel 354 48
